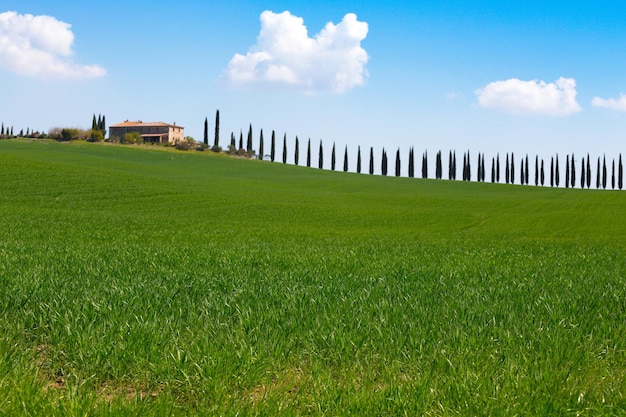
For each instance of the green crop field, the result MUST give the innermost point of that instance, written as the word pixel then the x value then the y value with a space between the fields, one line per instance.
pixel 145 281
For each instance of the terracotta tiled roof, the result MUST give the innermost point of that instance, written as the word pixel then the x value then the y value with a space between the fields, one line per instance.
pixel 139 123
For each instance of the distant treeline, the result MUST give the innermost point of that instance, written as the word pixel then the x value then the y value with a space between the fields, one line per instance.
pixel 576 173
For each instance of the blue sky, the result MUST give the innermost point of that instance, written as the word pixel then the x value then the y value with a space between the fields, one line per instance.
pixel 530 77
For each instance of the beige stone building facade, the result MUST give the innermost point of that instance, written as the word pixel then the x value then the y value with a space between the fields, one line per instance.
pixel 153 132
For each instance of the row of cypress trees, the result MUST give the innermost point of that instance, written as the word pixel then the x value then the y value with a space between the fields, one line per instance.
pixel 540 174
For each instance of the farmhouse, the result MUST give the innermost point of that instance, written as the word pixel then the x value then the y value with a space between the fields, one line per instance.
pixel 153 132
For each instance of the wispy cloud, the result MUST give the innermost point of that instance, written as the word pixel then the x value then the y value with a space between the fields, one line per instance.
pixel 286 57
pixel 618 104
pixel 40 46
pixel 531 97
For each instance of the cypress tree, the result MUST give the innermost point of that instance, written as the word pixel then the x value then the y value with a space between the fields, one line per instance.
pixel 2 131
pixel 411 163
pixel 216 139
pixel 454 165
pixel 620 173
pixel 566 171
pixel 261 145
pixel 464 167
pixel 358 160
pixel 507 170
pixel 582 173
pixel 94 125
pixel 556 171
pixel 479 176
pixel 206 131
pixel 233 142
pixel 498 167
pixel 371 160
pixel 469 167
pixel 536 170
pixel 572 173
pixel 604 172
pixel 450 165
pixel 598 175
pixel 543 177
pixel 345 160
pixel 482 171
pixel 320 163
pixel 398 162
pixel 249 142
pixel 296 155
pixel 493 170
pixel 273 150
pixel 11 131
pixel 521 174
pixel 332 158
pixel 383 163
pixel 285 149
pixel 588 171
pixel 613 176
pixel 526 170
pixel 512 168
pixel 308 154
pixel 425 165
pixel 552 172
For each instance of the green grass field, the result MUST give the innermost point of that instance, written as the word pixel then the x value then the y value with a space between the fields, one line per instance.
pixel 138 281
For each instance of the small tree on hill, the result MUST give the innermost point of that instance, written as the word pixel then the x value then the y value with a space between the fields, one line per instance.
pixel 358 160
pixel 273 147
pixel 582 173
pixel 216 139
pixel 398 162
pixel 320 162
pixel 371 161
pixel 345 160
pixel 285 149
pixel 332 158
pixel 620 173
pixel 543 177
pixel 261 145
pixel 296 155
pixel 308 154
pixel 566 171
pixel 206 131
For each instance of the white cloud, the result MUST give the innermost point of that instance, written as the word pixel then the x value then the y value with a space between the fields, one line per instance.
pixel 531 97
pixel 40 46
pixel 286 57
pixel 618 104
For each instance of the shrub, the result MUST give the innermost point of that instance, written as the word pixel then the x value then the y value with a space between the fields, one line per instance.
pixel 132 138
pixel 96 136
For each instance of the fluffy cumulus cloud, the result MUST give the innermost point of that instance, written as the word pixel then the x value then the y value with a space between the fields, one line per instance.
pixel 618 104
pixel 40 46
pixel 286 57
pixel 531 97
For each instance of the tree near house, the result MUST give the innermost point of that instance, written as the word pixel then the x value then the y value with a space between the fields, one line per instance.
pixel 206 130
pixel 249 141
pixel 261 145
pixel 216 139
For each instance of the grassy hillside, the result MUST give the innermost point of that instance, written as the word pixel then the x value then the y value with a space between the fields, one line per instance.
pixel 152 282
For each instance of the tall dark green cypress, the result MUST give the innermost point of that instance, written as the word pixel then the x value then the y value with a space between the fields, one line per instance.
pixel 249 141
pixel 94 125
pixel 332 158
pixel 454 165
pixel 507 171
pixel 320 163
pixel 345 160
pixel 285 149
pixel 598 177
pixel 604 172
pixel 493 170
pixel 566 171
pixel 552 172
pixel 411 163
pixel 206 131
pixel 241 141
pixel 383 163
pixel 261 145
pixel 613 176
pixel 358 160
pixel 498 168
pixel 512 168
pixel 521 175
pixel 572 173
pixel 556 171
pixel 398 162
pixel 620 173
pixel 425 165
pixel 588 172
pixel 582 173
pixel 543 175
pixel 296 154
pixel 536 170
pixel 273 149
pixel 216 139
pixel 308 154
pixel 371 160
pixel 526 171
